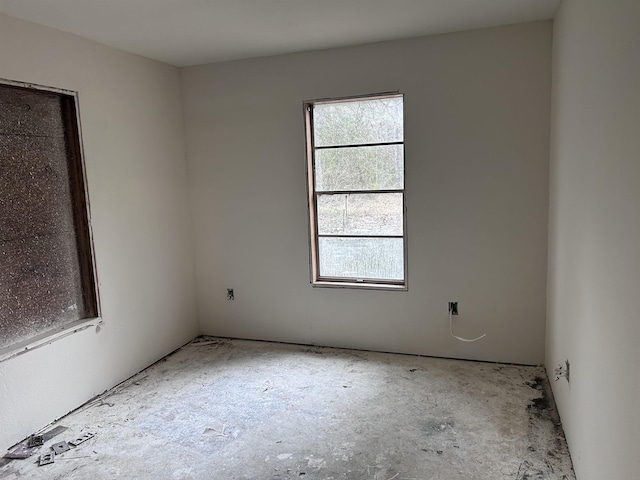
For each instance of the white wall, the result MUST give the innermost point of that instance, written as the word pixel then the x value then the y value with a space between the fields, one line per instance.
pixel 131 116
pixel 594 237
pixel 477 128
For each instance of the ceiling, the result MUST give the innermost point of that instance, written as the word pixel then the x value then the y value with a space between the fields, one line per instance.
pixel 192 32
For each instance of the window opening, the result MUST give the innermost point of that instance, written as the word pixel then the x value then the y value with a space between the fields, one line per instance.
pixel 355 165
pixel 47 280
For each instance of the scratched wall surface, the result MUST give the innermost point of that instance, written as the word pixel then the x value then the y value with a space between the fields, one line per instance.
pixel 40 279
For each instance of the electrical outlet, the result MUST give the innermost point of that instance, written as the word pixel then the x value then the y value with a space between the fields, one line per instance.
pixel 453 308
pixel 562 371
pixel 230 295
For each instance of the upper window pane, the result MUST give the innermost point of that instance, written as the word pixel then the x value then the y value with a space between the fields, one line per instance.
pixel 378 167
pixel 358 122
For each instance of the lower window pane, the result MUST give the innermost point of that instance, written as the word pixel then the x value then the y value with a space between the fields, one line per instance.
pixel 368 258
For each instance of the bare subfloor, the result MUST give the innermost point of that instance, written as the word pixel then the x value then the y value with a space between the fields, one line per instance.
pixel 231 409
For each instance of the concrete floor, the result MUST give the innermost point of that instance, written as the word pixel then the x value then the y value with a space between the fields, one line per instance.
pixel 231 409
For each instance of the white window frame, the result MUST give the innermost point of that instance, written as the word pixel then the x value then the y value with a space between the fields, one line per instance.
pixel 314 256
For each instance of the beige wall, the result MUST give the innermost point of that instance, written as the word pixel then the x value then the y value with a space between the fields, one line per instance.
pixel 477 123
pixel 477 127
pixel 131 116
pixel 594 249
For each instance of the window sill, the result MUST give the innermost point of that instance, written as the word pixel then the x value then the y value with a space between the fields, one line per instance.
pixel 46 338
pixel 359 285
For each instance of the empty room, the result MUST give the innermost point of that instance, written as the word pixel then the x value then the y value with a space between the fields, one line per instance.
pixel 338 239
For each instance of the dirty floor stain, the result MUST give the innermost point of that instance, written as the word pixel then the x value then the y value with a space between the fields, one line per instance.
pixel 232 409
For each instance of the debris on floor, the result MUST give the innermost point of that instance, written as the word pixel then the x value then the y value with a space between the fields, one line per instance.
pixel 248 410
pixel 35 441
pixel 49 453
pixel 47 458
pixel 81 439
pixel 29 446
pixel 60 447
pixel 204 340
pixel 20 451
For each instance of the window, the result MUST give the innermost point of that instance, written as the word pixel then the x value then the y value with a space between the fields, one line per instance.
pixel 47 280
pixel 355 165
